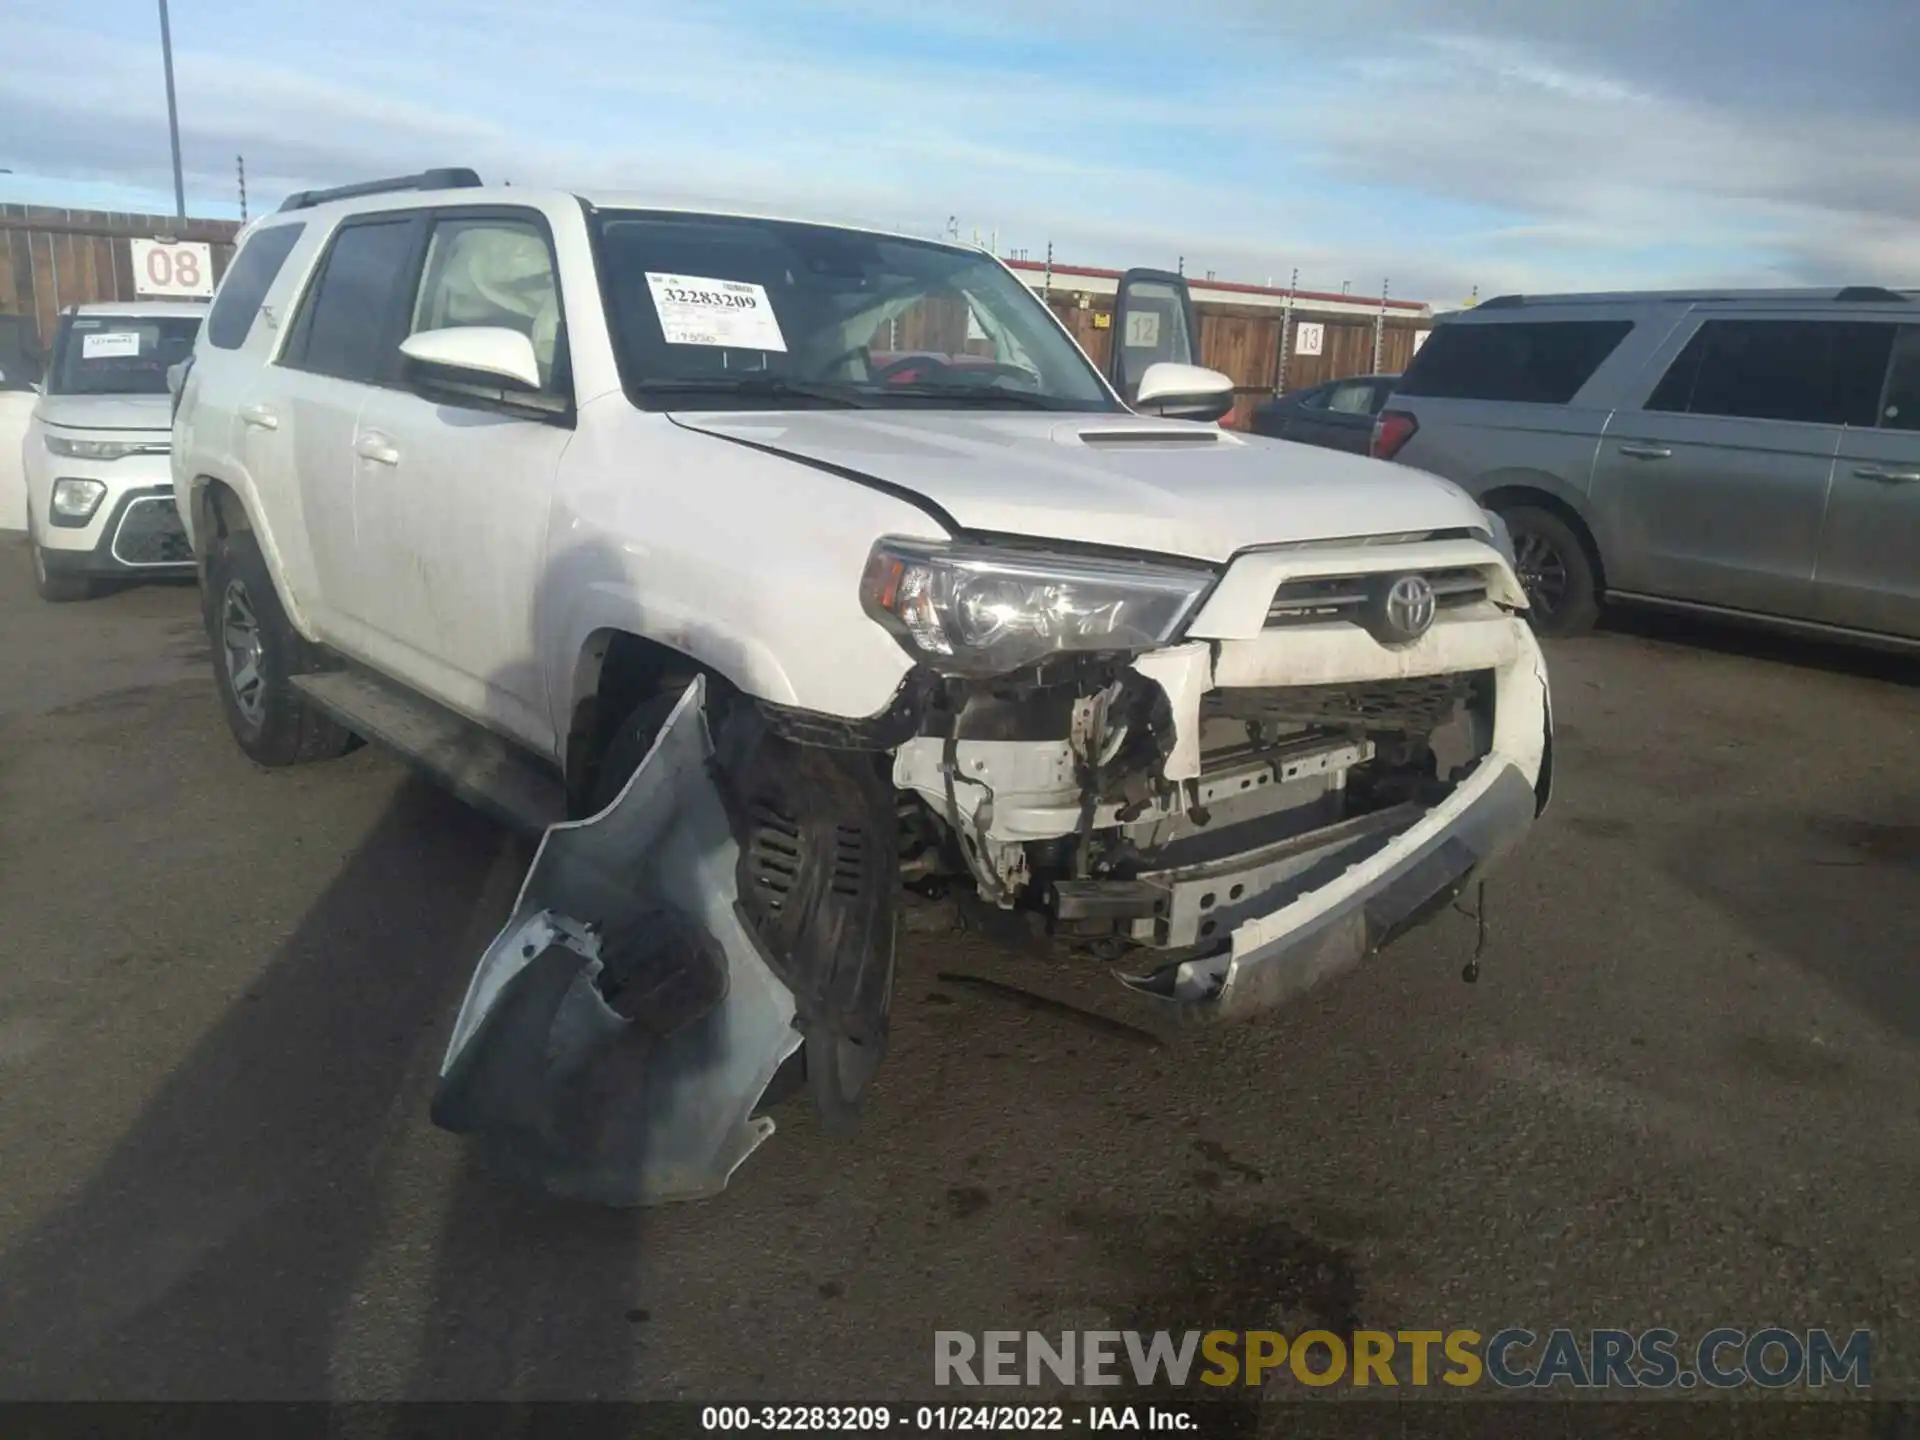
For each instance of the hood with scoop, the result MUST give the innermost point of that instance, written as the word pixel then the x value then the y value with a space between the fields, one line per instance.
pixel 1120 480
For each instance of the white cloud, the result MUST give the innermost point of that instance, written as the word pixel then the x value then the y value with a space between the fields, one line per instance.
pixel 1512 146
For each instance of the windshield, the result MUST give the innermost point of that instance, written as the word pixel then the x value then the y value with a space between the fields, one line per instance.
pixel 717 312
pixel 119 354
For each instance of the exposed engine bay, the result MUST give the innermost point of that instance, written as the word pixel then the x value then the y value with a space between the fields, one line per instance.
pixel 1052 794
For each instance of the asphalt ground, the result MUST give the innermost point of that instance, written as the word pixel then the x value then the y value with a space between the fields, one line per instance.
pixel 1685 1092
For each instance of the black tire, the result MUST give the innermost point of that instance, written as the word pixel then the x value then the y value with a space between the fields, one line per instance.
pixel 256 652
pixel 55 586
pixel 1556 569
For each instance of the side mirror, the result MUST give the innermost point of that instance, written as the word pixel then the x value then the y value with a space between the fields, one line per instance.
pixel 176 376
pixel 475 354
pixel 1184 392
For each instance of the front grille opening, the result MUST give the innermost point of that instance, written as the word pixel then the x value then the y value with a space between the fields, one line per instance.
pixel 150 533
pixel 1414 706
pixel 1344 597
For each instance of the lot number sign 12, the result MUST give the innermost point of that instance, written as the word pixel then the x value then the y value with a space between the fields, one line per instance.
pixel 177 270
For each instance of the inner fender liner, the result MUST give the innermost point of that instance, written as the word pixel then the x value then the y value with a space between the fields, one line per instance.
pixel 619 1033
pixel 818 873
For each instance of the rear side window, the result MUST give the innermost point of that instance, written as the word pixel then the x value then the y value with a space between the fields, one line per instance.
pixel 1544 362
pixel 1356 399
pixel 1900 405
pixel 1817 372
pixel 347 321
pixel 246 284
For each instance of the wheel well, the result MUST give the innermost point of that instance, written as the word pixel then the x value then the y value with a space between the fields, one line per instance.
pixel 617 673
pixel 1506 497
pixel 218 511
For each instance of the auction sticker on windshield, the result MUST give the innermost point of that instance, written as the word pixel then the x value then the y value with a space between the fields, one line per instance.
pixel 109 343
pixel 696 310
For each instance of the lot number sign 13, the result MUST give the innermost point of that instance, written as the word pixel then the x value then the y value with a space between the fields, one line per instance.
pixel 178 270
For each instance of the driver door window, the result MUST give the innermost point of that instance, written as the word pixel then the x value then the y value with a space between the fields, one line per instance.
pixel 495 272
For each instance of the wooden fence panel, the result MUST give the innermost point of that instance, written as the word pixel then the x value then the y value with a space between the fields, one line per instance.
pixel 52 258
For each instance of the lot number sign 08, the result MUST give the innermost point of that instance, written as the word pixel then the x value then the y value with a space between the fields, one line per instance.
pixel 180 270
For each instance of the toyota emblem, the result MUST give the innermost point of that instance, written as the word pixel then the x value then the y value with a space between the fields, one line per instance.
pixel 1407 610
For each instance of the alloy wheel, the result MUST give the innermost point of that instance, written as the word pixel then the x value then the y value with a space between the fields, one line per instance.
pixel 1543 572
pixel 244 650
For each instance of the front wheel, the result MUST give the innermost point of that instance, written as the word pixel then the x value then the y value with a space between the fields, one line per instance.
pixel 55 586
pixel 256 653
pixel 1563 594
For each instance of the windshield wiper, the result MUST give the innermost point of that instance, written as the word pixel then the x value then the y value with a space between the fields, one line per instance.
pixel 976 395
pixel 757 387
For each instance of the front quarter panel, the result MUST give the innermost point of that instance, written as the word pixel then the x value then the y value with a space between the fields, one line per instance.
pixel 746 562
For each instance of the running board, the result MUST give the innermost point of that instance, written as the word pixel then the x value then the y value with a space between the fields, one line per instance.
pixel 491 774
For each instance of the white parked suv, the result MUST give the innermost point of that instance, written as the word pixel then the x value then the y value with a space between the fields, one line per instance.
pixel 605 513
pixel 99 488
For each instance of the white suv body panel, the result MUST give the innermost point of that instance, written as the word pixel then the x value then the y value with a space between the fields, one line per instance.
pixel 743 561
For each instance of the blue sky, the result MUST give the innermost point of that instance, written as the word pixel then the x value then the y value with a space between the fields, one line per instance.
pixel 1495 143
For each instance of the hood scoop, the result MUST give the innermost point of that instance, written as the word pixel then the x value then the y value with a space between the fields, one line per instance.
pixel 1145 435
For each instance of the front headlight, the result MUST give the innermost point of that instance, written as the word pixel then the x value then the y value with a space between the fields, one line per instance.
pixel 95 449
pixel 75 500
pixel 975 610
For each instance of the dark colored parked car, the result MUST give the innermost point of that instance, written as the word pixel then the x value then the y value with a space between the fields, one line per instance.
pixel 1338 414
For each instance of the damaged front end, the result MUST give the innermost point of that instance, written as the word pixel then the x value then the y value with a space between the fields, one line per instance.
pixel 1282 777
pixel 1230 819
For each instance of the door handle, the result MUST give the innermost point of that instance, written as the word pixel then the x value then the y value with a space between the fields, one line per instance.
pixel 1888 477
pixel 1646 452
pixel 260 416
pixel 372 445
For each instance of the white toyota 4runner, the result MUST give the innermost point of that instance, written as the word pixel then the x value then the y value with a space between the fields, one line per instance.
pixel 764 567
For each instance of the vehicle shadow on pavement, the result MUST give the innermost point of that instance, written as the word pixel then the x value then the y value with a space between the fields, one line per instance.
pixel 221 1248
pixel 1729 637
pixel 252 1234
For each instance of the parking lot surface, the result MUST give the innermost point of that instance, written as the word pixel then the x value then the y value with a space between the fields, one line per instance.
pixel 1686 1090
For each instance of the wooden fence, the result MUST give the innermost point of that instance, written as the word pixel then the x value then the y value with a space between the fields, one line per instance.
pixel 51 258
pixel 1243 341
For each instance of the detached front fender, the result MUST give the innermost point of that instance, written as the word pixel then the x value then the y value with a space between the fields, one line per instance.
pixel 623 1027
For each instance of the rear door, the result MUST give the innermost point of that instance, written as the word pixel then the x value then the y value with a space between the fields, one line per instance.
pixel 1517 397
pixel 1715 486
pixel 1868 577
pixel 1345 420
pixel 339 351
pixel 1291 416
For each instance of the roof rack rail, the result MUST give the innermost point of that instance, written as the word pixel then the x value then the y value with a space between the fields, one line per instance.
pixel 1873 294
pixel 443 179
pixel 1502 302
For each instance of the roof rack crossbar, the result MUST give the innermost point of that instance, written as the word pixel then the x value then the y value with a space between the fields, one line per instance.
pixel 455 178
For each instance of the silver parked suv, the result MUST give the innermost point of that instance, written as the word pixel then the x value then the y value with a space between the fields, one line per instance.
pixel 1753 453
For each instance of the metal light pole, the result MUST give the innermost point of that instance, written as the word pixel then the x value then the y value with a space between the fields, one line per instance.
pixel 173 115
